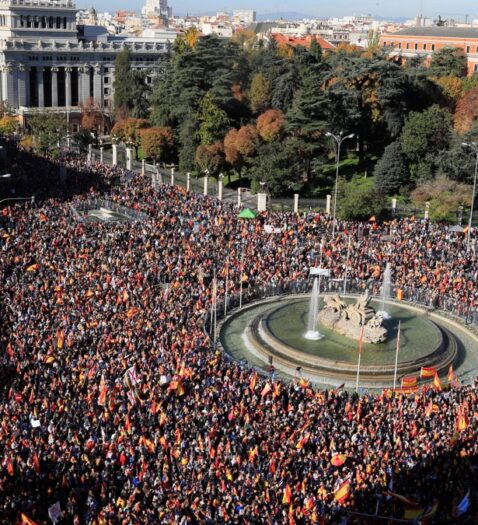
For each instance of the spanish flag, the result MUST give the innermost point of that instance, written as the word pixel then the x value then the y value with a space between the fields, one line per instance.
pixel 450 375
pixel 437 382
pixel 25 520
pixel 287 496
pixel 267 388
pixel 343 492
pixel 276 388
pixel 427 373
pixel 303 383
pixel 462 421
pixel 132 312
pixel 102 395
pixel 399 294
pixel 338 460
pixel 429 409
pixel 36 463
pixel 148 444
pixel 33 267
pixel 252 383
pixel 408 382
pixel 60 339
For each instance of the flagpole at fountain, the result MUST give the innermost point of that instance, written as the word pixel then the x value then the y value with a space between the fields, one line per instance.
pixel 313 333
pixel 385 291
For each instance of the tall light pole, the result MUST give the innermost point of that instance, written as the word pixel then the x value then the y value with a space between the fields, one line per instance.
pixel 474 147
pixel 338 139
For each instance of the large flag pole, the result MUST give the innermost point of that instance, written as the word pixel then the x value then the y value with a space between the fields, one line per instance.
pixel 359 359
pixel 396 357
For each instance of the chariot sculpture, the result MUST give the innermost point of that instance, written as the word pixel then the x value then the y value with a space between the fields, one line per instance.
pixel 350 319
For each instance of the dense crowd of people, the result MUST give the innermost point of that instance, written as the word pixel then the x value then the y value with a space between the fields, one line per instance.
pixel 115 403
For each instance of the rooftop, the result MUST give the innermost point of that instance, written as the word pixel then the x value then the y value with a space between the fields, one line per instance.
pixel 444 32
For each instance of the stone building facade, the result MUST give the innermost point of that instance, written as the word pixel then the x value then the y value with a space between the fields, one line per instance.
pixel 48 63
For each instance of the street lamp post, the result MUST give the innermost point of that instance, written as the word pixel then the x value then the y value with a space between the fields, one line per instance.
pixel 338 139
pixel 474 147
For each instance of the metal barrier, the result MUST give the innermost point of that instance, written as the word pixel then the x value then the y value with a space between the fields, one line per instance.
pixel 447 306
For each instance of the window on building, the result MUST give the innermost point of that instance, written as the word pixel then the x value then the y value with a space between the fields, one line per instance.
pixel 106 91
pixel 106 69
pixel 399 45
pixel 106 80
pixel 408 45
pixel 50 22
pixel 385 44
pixel 433 47
pixel 424 47
pixel 58 22
pixel 475 68
pixel 468 49
pixel 416 47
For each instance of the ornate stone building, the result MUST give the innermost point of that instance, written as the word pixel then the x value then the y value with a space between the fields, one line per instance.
pixel 48 63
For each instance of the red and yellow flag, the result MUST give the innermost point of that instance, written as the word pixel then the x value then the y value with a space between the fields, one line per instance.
pixel 338 460
pixel 287 496
pixel 253 381
pixel 60 339
pixel 427 373
pixel 267 388
pixel 437 382
pixel 343 492
pixel 25 520
pixel 450 375
pixel 408 382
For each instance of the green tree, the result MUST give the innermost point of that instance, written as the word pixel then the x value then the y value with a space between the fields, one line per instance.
pixel 391 172
pixel 212 121
pixel 358 199
pixel 187 147
pixel 122 85
pixel 259 93
pixel 449 61
pixel 47 130
pixel 278 168
pixel 425 135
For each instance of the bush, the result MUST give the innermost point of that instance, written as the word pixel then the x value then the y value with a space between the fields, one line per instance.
pixel 358 199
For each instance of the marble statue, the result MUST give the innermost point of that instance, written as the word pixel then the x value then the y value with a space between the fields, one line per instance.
pixel 350 319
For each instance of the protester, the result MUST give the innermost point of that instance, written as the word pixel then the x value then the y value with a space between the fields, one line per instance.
pixel 114 402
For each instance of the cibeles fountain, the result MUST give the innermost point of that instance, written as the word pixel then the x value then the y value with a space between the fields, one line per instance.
pixel 320 333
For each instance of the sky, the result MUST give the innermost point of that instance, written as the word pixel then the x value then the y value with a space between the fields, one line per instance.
pixel 322 8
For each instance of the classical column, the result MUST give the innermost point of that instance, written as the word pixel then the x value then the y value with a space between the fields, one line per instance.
pixel 205 185
pixel 23 85
pixel 84 84
pixel 41 94
pixel 296 203
pixel 143 167
pixel 219 189
pixel 172 176
pixel 6 81
pixel 101 154
pixel 68 87
pixel 188 181
pixel 261 202
pixel 98 85
pixel 54 87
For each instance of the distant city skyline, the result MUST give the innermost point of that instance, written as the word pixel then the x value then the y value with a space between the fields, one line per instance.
pixel 319 8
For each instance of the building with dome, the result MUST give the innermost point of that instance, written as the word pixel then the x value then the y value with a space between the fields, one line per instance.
pixel 49 63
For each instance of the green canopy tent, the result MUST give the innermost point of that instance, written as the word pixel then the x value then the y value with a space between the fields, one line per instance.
pixel 247 213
